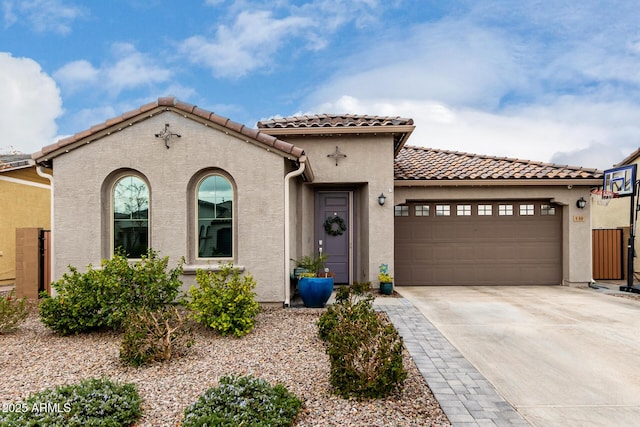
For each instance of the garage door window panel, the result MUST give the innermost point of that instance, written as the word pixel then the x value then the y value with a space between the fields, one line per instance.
pixel 547 210
pixel 527 210
pixel 485 210
pixel 505 210
pixel 422 210
pixel 401 210
pixel 463 210
pixel 443 210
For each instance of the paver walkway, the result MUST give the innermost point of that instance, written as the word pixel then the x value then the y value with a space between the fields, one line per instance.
pixel 465 395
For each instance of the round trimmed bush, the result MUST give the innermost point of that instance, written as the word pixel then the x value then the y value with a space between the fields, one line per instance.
pixel 93 402
pixel 245 401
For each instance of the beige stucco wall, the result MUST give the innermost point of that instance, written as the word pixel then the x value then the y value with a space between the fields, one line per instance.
pixel 82 217
pixel 576 238
pixel 368 170
pixel 25 201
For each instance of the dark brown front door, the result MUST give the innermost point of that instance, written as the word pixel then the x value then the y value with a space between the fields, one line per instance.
pixel 335 206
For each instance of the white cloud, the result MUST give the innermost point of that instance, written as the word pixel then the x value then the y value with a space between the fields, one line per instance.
pixel 77 74
pixel 245 46
pixel 571 131
pixel 42 15
pixel 30 104
pixel 474 67
pixel 130 69
pixel 134 69
pixel 260 36
pixel 471 86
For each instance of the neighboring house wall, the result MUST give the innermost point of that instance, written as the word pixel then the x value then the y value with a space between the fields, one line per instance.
pixel 617 215
pixel 83 197
pixel 25 201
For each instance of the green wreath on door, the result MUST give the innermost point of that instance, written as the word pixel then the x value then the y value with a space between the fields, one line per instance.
pixel 335 226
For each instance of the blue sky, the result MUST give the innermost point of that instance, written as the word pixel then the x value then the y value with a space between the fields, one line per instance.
pixel 548 80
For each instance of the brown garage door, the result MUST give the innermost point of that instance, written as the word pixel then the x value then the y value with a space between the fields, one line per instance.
pixel 478 243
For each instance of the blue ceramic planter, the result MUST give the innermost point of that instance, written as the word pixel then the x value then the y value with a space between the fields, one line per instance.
pixel 386 288
pixel 315 291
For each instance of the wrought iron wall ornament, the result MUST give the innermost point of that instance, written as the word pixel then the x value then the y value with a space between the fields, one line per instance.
pixel 166 135
pixel 334 225
pixel 337 155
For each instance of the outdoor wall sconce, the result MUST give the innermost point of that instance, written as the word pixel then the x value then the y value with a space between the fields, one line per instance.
pixel 166 135
pixel 381 199
pixel 581 203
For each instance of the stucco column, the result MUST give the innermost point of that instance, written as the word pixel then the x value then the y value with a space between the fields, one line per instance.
pixel 577 240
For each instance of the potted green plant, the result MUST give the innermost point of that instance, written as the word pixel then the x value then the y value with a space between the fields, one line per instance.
pixel 315 283
pixel 386 281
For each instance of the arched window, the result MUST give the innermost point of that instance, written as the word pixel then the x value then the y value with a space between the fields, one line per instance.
pixel 131 216
pixel 215 217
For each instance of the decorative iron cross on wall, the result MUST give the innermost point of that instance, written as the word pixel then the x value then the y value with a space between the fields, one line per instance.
pixel 166 134
pixel 337 155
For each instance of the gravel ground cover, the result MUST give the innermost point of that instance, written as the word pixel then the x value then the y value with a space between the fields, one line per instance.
pixel 283 348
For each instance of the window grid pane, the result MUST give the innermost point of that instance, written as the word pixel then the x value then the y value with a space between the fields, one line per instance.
pixel 463 210
pixel 547 210
pixel 526 210
pixel 399 210
pixel 443 210
pixel 422 210
pixel 505 210
pixel 485 210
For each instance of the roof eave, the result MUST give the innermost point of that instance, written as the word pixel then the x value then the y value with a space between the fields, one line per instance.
pixel 207 118
pixel 585 182
pixel 339 130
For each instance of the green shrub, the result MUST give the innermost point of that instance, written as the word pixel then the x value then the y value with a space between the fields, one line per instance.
pixel 154 336
pixel 346 298
pixel 365 350
pixel 224 300
pixel 102 298
pixel 13 311
pixel 243 401
pixel 94 402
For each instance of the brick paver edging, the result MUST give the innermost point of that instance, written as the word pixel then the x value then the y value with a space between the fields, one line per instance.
pixel 465 395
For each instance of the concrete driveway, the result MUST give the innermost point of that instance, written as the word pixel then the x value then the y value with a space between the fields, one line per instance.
pixel 561 356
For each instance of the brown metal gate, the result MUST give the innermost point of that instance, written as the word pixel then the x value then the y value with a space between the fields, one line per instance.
pixel 607 259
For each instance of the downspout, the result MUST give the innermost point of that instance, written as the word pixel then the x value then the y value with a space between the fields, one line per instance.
pixel 287 233
pixel 42 174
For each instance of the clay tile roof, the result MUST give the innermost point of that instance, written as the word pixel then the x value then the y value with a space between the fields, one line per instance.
pixel 419 163
pixel 401 128
pixel 332 120
pixel 163 104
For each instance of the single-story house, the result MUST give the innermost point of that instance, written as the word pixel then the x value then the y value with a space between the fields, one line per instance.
pixel 188 182
pixel 25 195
